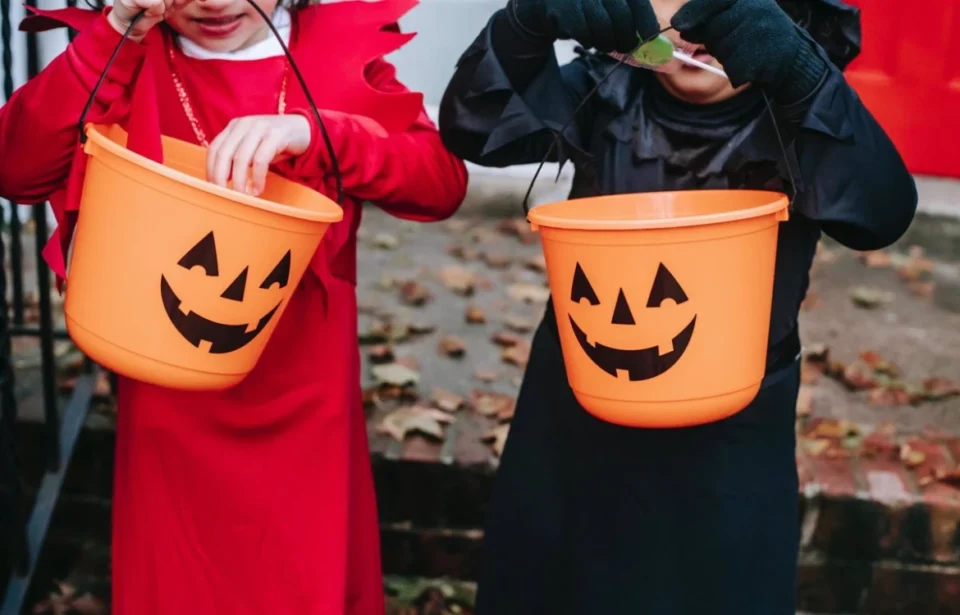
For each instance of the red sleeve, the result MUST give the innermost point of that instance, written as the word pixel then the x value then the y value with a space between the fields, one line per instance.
pixel 410 175
pixel 38 125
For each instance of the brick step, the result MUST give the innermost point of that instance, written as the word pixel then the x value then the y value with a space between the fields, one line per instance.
pixel 413 558
pixel 851 508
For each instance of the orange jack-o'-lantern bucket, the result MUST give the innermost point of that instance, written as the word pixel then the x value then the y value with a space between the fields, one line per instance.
pixel 663 300
pixel 174 280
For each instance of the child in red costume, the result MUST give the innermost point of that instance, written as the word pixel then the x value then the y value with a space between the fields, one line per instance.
pixel 256 500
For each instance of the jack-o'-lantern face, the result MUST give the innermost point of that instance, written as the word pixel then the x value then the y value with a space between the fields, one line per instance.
pixel 197 329
pixel 626 322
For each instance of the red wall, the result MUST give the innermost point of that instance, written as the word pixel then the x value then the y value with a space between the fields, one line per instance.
pixel 908 75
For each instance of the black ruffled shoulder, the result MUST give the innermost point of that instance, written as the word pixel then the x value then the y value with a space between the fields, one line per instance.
pixel 834 24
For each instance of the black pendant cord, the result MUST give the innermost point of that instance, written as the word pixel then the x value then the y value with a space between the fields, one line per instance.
pixel 334 163
pixel 559 135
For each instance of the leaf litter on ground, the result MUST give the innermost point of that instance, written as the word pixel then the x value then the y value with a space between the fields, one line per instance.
pixel 415 419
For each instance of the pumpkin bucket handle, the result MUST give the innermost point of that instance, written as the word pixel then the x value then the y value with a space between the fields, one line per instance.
pixel 296 71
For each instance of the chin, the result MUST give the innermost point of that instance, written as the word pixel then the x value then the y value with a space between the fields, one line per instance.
pixel 697 86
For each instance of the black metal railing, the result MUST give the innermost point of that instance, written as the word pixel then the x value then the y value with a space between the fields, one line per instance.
pixel 25 534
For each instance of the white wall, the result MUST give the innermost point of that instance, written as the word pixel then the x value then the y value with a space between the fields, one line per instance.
pixel 445 28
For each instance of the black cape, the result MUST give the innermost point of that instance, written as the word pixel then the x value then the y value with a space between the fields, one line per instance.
pixel 589 518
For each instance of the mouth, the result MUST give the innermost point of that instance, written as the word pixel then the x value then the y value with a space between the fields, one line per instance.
pixel 700 53
pixel 219 26
pixel 196 329
pixel 641 364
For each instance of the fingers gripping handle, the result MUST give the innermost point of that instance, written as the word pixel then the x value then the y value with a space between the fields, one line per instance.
pixel 334 163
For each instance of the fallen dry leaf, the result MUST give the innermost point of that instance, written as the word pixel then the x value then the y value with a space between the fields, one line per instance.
pixel 494 405
pixel 912 458
pixel 518 323
pixel 458 226
pixel 386 241
pixel 810 373
pixel 881 443
pixel 484 283
pixel 452 346
pixel 878 364
pixel 447 401
pixel 916 266
pixel 88 604
pixel 463 253
pixel 519 228
pixel 410 362
pixel 395 374
pixel 505 340
pixel 384 330
pixel 485 375
pixel 497 260
pixel 387 282
pixel 805 401
pixel 370 397
pixel 869 298
pixel 939 388
pixel 517 355
pixel 380 354
pixel 67 602
pixel 924 290
pixel 421 327
pixel 877 259
pixel 414 293
pixel 810 302
pixel 459 280
pixel 536 263
pixel 832 428
pixel 483 235
pixel 498 437
pixel 415 419
pixel 475 315
pixel 892 396
pixel 858 376
pixel 528 293
pixel 814 447
pixel 367 307
pixel 825 255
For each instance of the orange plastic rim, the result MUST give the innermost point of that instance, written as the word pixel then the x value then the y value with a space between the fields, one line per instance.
pixel 659 210
pixel 663 300
pixel 319 212
pixel 178 282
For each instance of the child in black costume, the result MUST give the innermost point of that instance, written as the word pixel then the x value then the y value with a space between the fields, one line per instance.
pixel 590 518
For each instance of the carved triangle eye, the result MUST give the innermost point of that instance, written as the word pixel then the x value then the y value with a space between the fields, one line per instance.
pixel 665 286
pixel 280 274
pixel 203 255
pixel 582 288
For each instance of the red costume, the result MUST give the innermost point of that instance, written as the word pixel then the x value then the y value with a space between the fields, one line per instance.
pixel 256 500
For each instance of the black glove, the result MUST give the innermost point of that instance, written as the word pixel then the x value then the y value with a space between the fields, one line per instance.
pixel 604 25
pixel 756 42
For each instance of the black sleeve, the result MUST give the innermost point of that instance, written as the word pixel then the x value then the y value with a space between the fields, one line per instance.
pixel 854 181
pixel 509 97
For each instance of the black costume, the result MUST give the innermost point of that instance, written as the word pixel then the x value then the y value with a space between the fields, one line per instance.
pixel 589 518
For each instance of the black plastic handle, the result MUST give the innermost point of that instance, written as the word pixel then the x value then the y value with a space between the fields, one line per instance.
pixel 293 65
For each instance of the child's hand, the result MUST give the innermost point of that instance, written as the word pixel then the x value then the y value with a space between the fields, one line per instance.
pixel 124 11
pixel 756 42
pixel 606 25
pixel 257 141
